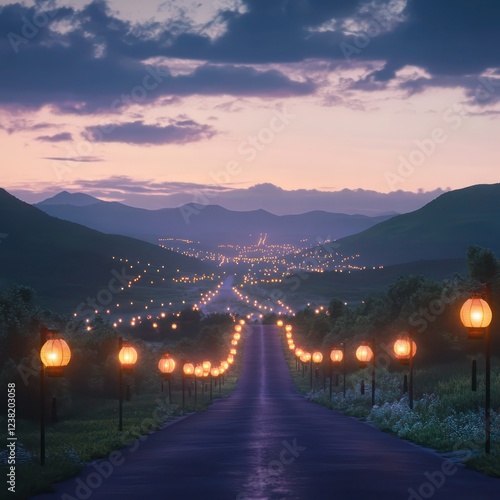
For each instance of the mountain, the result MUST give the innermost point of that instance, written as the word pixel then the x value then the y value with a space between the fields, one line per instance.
pixel 209 224
pixel 74 199
pixel 64 260
pixel 442 229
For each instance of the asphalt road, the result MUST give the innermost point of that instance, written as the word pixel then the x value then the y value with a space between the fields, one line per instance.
pixel 267 442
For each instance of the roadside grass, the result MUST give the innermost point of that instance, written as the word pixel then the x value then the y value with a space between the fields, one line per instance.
pixel 447 416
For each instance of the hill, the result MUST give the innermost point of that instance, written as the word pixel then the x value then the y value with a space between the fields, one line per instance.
pixel 442 229
pixel 208 224
pixel 65 261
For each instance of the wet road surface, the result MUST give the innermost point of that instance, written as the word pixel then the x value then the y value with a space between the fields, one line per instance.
pixel 267 442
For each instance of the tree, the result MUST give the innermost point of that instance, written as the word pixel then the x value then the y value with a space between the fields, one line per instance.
pixel 483 265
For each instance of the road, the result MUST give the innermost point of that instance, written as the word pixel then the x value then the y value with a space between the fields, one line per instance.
pixel 268 442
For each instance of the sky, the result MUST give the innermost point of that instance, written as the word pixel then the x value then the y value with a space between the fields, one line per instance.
pixel 152 102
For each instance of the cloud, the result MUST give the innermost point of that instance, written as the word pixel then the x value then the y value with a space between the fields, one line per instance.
pixel 179 132
pixel 63 136
pixel 79 159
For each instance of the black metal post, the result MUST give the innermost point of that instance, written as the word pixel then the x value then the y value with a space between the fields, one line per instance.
pixel 343 365
pixel 474 375
pixel 183 391
pixel 331 374
pixel 169 389
pixel 211 386
pixel 373 373
pixel 195 390
pixel 54 410
pixel 487 405
pixel 311 374
pixel 43 339
pixel 120 383
pixel 410 385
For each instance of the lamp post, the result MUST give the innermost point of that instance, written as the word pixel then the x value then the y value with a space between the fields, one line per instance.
pixel 187 372
pixel 166 365
pixel 55 355
pixel 476 316
pixel 316 358
pixel 365 355
pixel 337 356
pixel 127 357
pixel 298 353
pixel 405 355
pixel 198 373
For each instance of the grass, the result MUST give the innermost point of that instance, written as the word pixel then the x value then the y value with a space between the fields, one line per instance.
pixel 93 433
pixel 447 415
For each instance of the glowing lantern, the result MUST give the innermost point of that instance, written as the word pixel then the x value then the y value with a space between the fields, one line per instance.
pixel 402 350
pixel 214 372
pixel 317 357
pixel 337 355
pixel 288 328
pixel 233 352
pixel 128 358
pixel 206 366
pixel 237 328
pixel 364 354
pixel 279 323
pixel 306 357
pixel 55 355
pixel 174 326
pixel 198 371
pixel 234 342
pixel 236 336
pixel 290 341
pixel 299 352
pixel 188 369
pixel 230 359
pixel 242 321
pixel 166 365
pixel 291 346
pixel 224 365
pixel 288 335
pixel 476 316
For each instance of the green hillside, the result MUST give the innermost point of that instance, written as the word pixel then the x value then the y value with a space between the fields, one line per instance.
pixel 442 229
pixel 65 261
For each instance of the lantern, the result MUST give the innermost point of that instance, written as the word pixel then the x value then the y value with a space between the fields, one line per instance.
pixel 237 328
pixel 174 326
pixel 317 357
pixel 299 352
pixel 233 352
pixel 242 321
pixel 206 366
pixel 476 317
pixel 198 371
pixel 306 357
pixel 230 359
pixel 127 357
pixel 288 328
pixel 224 365
pixel 288 335
pixel 188 369
pixel 337 355
pixel 214 372
pixel 291 346
pixel 237 336
pixel 234 342
pixel 280 323
pixel 55 355
pixel 364 354
pixel 402 350
pixel 166 365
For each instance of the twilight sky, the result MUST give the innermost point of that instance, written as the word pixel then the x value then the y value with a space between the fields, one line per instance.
pixel 153 101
